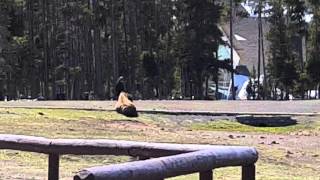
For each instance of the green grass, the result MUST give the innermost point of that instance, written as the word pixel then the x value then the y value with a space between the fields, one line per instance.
pixel 228 125
pixel 61 123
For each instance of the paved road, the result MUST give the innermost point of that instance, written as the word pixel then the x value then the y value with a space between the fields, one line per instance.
pixel 241 107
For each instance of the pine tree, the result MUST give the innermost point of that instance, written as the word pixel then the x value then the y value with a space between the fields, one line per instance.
pixel 201 38
pixel 297 31
pixel 281 62
pixel 4 34
pixel 314 57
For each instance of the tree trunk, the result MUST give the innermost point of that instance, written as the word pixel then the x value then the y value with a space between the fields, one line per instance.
pixel 265 85
pixel 207 87
pixel 259 48
pixel 45 46
pixel 114 48
pixel 217 88
pixel 124 24
pixel 319 91
pixel 231 47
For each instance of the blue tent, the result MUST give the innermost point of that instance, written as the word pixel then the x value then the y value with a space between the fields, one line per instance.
pixel 239 82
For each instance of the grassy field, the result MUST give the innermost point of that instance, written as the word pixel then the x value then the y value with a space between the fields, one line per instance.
pixel 282 153
pixel 313 127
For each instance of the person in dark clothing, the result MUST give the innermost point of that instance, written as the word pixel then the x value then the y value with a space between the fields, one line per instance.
pixel 249 90
pixel 119 86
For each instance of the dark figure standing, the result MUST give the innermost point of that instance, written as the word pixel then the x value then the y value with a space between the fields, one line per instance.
pixel 119 86
pixel 249 90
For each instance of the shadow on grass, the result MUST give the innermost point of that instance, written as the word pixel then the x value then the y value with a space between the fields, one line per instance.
pixel 266 121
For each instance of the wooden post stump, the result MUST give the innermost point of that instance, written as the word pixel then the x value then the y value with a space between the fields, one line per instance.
pixel 53 168
pixel 249 172
pixel 207 175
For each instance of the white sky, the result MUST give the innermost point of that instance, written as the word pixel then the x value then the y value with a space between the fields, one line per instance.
pixel 250 5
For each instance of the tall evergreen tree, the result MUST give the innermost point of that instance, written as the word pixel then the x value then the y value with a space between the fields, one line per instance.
pixel 201 38
pixel 281 62
pixel 297 32
pixel 4 36
pixel 314 57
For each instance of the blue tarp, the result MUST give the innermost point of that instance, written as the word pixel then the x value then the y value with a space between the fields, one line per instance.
pixel 239 81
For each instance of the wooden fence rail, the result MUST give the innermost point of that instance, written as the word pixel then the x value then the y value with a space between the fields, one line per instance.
pixel 173 159
pixel 160 168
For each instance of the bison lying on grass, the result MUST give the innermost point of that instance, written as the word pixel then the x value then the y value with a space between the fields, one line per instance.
pixel 125 106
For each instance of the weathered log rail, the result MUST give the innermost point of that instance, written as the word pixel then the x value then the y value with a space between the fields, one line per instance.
pixel 169 159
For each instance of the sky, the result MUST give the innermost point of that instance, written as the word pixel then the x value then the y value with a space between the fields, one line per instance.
pixel 249 6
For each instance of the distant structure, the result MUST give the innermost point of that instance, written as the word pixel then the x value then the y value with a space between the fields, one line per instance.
pixel 246 47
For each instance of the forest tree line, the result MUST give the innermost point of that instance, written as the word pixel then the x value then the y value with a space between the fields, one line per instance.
pixel 294 63
pixel 72 49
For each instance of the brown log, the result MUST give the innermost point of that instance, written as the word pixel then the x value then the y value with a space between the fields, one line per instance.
pixel 24 143
pixel 171 166
pixel 100 146
pixel 192 158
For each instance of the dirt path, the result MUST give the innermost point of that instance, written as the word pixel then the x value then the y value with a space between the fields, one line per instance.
pixel 312 106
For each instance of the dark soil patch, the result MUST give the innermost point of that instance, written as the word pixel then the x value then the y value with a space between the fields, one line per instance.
pixel 266 121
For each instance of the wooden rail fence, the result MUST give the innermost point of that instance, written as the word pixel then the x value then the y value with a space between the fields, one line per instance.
pixel 169 160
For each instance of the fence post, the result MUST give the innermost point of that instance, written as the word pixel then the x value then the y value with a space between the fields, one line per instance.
pixel 207 175
pixel 53 169
pixel 249 172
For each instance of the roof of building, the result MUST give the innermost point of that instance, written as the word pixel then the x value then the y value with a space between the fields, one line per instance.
pixel 247 45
